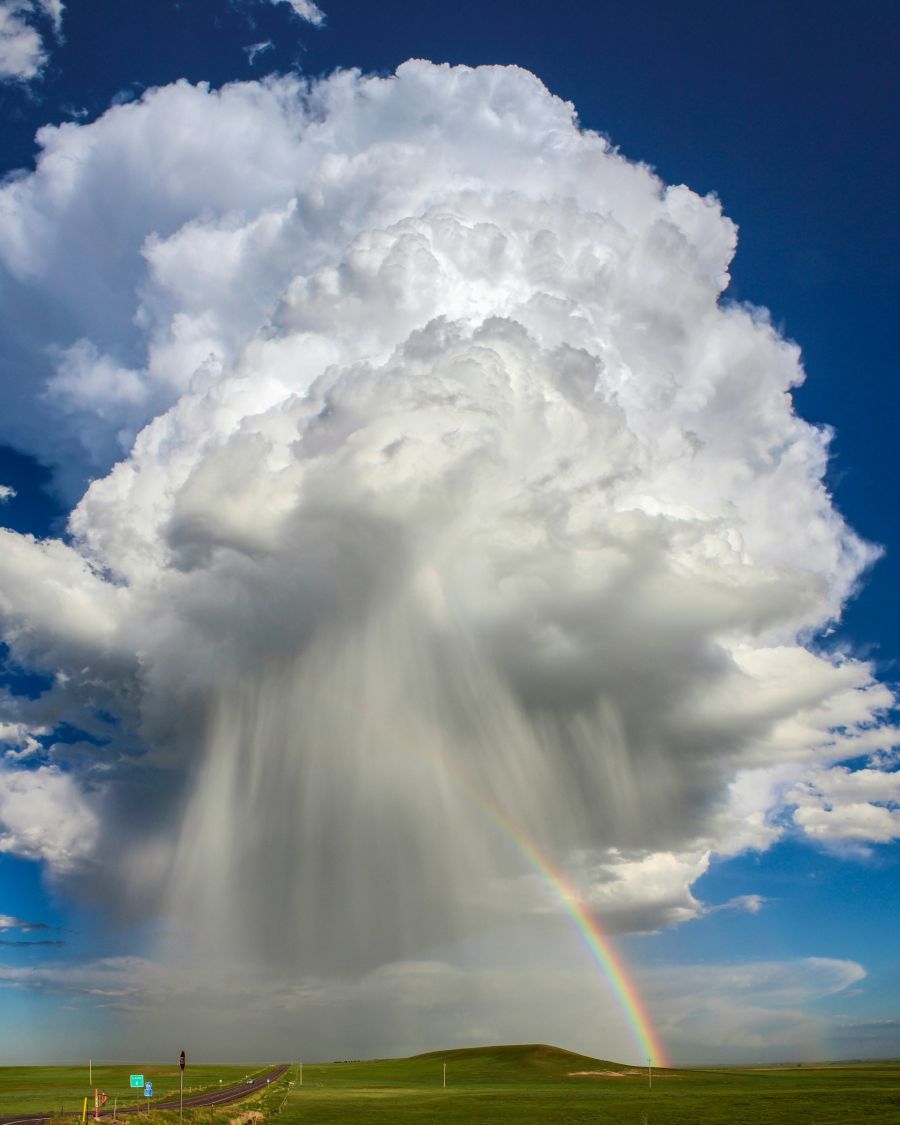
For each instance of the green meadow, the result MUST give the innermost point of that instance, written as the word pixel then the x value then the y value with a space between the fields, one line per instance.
pixel 62 1089
pixel 523 1085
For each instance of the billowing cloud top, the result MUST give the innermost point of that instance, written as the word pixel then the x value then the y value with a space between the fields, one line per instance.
pixel 431 477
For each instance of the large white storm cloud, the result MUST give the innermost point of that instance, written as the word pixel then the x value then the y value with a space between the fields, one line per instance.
pixel 430 475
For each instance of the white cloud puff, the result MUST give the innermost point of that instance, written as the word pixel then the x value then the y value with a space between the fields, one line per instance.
pixel 44 815
pixel 840 805
pixel 22 53
pixel 22 50
pixel 305 9
pixel 440 503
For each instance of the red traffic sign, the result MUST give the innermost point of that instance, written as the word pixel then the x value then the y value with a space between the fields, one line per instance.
pixel 181 1060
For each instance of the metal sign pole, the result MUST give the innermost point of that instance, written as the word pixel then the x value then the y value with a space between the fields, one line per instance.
pixel 181 1099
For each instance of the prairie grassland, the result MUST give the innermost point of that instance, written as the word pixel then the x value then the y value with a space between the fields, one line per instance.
pixel 539 1085
pixel 533 1085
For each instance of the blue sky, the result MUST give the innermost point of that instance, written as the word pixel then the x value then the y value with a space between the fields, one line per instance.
pixel 788 115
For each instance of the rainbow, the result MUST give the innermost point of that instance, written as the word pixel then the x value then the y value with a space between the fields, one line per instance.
pixel 599 945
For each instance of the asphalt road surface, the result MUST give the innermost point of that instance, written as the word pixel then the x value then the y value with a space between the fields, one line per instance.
pixel 222 1095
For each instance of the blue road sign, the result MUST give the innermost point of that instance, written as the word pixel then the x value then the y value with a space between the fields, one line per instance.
pixel 148 1089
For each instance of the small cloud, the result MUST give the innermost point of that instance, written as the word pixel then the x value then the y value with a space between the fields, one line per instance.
pixel 6 493
pixel 43 816
pixel 23 53
pixel 848 810
pixel 53 10
pixel 23 943
pixel 306 10
pixel 7 922
pixel 742 904
pixel 257 49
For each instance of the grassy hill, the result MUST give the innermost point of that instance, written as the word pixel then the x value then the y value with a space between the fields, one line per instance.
pixel 519 1061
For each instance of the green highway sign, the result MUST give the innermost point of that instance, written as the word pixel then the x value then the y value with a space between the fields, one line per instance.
pixel 137 1080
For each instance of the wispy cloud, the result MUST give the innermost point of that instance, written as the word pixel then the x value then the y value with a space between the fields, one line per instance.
pixel 305 9
pixel 20 944
pixel 7 922
pixel 747 1012
pixel 256 49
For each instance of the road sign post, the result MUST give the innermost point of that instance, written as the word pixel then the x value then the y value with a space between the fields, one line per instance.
pixel 181 1099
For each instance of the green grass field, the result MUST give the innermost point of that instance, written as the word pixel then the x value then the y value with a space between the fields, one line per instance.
pixel 34 1089
pixel 520 1085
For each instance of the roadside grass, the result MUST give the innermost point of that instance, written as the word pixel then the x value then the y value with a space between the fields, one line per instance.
pixel 534 1085
pixel 62 1089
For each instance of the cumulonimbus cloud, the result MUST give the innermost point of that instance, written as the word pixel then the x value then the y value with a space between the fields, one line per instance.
pixel 436 489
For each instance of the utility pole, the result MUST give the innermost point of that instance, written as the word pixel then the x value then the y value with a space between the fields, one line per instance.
pixel 649 1072
pixel 301 1074
pixel 445 1076
pixel 90 1072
